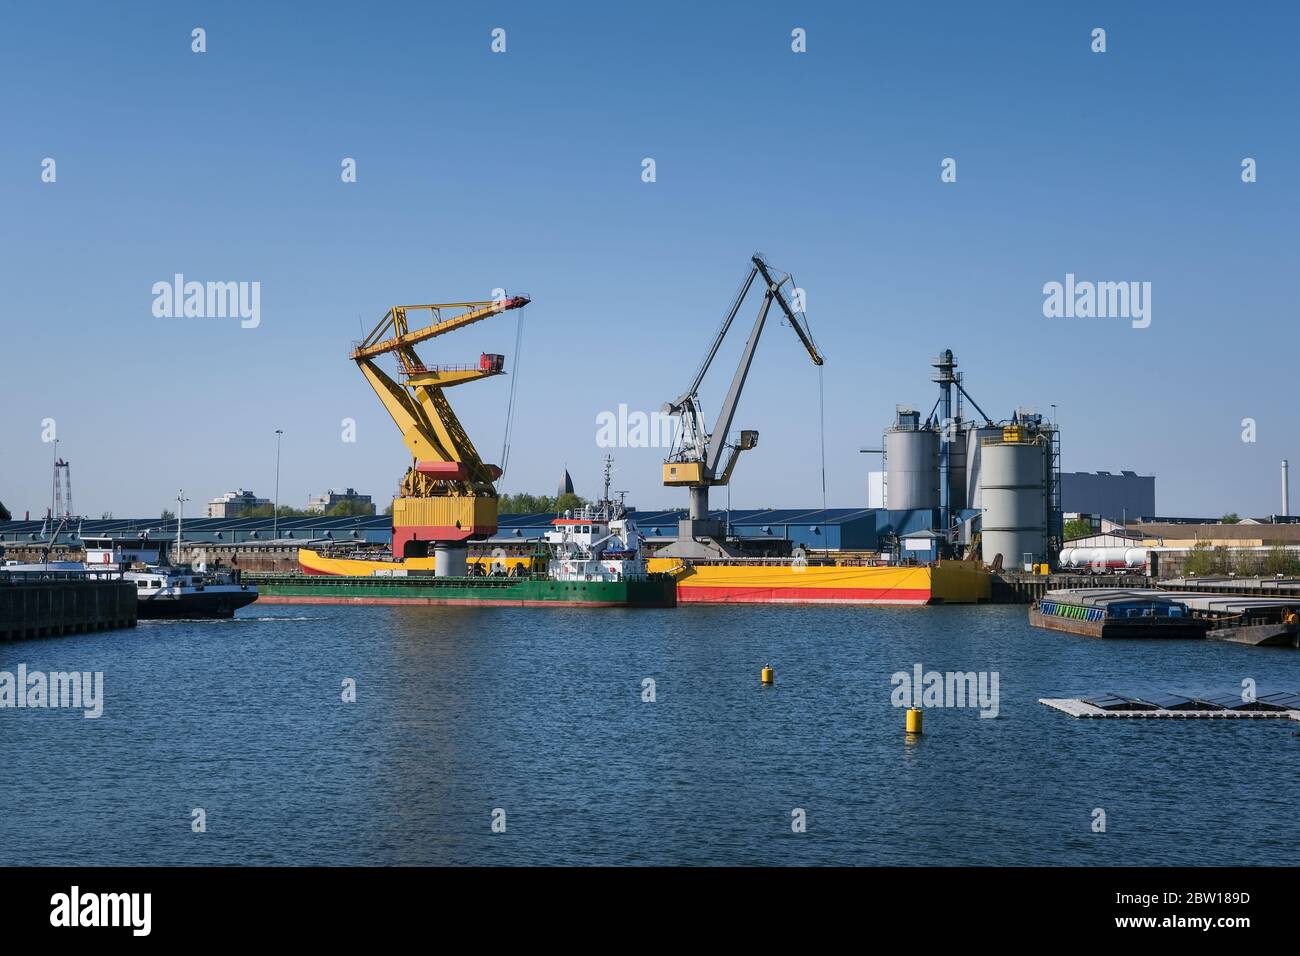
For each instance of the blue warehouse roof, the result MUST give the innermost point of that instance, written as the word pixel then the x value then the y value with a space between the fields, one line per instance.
pixel 850 528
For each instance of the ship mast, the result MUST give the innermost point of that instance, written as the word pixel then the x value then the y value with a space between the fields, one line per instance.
pixel 605 504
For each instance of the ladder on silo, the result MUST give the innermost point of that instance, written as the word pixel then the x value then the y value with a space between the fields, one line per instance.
pixel 1055 531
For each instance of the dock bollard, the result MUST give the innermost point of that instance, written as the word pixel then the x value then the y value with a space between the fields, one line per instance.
pixel 914 721
pixel 768 675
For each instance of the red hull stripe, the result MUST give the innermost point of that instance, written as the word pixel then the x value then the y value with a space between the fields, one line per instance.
pixel 740 595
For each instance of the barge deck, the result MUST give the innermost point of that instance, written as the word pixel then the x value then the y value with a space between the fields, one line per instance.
pixel 656 591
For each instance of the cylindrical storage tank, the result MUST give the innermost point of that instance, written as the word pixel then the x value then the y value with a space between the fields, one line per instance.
pixel 912 466
pixel 957 472
pixel 1109 559
pixel 973 461
pixel 1013 486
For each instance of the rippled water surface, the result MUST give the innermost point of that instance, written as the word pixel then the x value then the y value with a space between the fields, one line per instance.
pixel 539 712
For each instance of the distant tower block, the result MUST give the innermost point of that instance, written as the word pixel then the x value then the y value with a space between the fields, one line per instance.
pixel 566 485
pixel 1286 490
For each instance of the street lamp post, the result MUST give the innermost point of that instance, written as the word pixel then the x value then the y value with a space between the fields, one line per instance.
pixel 180 517
pixel 275 515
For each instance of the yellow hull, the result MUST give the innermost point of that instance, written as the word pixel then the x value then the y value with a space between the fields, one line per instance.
pixel 312 563
pixel 950 582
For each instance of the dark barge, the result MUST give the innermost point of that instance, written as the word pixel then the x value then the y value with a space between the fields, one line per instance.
pixel 1142 612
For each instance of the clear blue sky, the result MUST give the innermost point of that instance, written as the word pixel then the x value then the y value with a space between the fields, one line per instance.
pixel 523 170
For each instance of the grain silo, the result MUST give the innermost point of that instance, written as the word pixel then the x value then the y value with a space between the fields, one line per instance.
pixel 1015 479
pixel 911 463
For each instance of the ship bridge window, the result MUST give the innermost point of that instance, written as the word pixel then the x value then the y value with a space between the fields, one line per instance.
pixel 143 584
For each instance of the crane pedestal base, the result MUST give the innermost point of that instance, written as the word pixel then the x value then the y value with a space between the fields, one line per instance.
pixel 688 528
pixel 700 548
pixel 449 560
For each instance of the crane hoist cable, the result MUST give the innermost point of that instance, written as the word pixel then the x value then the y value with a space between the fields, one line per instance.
pixel 821 424
pixel 510 407
pixel 821 386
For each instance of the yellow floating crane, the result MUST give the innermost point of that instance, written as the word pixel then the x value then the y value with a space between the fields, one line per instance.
pixel 447 496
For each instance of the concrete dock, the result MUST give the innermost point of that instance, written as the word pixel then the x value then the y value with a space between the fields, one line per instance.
pixel 1184 709
pixel 49 605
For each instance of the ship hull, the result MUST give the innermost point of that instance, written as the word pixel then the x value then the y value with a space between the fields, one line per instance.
pixel 464 592
pixel 950 582
pixel 1120 627
pixel 194 606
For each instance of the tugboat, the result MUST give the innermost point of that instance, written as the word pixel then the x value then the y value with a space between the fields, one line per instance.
pixel 163 589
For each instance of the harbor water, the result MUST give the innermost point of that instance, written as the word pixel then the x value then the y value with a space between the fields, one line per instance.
pixel 539 720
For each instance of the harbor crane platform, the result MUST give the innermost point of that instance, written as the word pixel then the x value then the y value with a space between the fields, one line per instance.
pixel 447 496
pixel 697 458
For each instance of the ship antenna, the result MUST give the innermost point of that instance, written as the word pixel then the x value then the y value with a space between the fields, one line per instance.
pixel 605 502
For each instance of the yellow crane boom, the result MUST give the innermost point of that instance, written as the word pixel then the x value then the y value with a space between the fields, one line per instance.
pixel 395 321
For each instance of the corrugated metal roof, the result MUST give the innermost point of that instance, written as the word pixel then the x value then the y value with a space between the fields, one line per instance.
pixel 157 527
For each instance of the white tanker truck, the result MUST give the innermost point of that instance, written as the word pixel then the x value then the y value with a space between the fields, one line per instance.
pixel 1104 560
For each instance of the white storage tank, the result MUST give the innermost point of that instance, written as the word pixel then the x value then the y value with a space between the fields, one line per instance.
pixel 912 464
pixel 1104 559
pixel 1013 484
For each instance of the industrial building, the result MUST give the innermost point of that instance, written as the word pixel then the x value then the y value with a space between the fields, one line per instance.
pixel 374 529
pixel 1126 495
pixel 1241 534
pixel 332 498
pixel 234 503
pixel 774 530
pixel 953 486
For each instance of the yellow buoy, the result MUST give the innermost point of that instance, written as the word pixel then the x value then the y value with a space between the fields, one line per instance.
pixel 914 720
pixel 768 675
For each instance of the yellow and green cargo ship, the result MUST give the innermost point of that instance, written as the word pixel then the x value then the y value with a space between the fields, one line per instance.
pixel 527 591
pixel 766 582
pixel 587 562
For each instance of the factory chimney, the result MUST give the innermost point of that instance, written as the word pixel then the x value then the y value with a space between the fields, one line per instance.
pixel 1286 491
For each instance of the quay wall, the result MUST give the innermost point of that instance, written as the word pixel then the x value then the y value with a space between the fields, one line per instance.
pixel 52 607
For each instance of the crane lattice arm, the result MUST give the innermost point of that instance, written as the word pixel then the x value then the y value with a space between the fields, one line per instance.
pixel 403 338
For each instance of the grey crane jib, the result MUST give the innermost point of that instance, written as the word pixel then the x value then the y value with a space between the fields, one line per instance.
pixel 707 445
